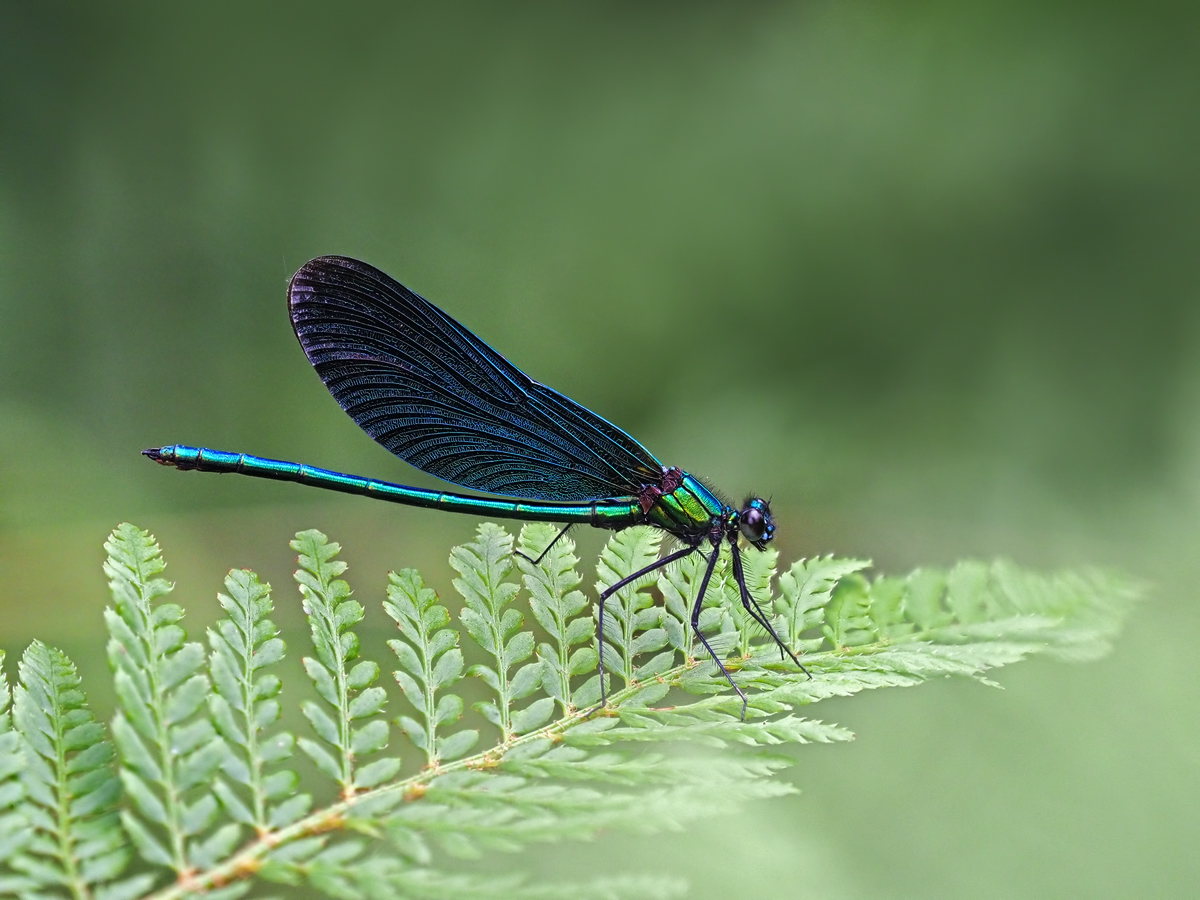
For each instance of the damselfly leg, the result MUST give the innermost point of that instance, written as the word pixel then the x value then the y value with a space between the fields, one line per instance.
pixel 751 606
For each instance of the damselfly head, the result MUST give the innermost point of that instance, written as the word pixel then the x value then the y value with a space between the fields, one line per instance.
pixel 755 522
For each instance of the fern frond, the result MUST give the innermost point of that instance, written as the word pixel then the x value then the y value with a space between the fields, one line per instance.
pixel 467 813
pixel 848 619
pixel 633 624
pixel 430 884
pixel 78 849
pixel 715 724
pixel 564 612
pixel 483 566
pixel 331 615
pixel 679 584
pixel 805 589
pixel 346 871
pixel 244 645
pixel 15 829
pixel 577 760
pixel 168 753
pixel 430 661
pixel 539 780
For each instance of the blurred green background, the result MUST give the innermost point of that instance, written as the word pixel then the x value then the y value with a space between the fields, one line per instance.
pixel 927 273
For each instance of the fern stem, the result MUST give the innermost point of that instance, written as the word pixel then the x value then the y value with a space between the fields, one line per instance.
pixel 251 730
pixel 431 723
pixel 178 847
pixel 343 705
pixel 166 758
pixel 563 649
pixel 66 844
pixel 502 673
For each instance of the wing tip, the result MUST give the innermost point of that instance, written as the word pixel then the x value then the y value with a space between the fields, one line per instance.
pixel 305 286
pixel 318 269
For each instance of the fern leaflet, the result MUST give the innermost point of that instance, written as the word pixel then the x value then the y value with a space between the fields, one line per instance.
pixel 633 624
pixel 564 614
pixel 244 644
pixel 430 661
pixel 70 788
pixel 15 831
pixel 483 565
pixel 331 615
pixel 167 752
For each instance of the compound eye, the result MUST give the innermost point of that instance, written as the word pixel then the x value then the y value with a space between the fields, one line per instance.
pixel 753 524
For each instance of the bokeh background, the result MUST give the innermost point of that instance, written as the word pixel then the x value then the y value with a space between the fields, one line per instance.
pixel 926 272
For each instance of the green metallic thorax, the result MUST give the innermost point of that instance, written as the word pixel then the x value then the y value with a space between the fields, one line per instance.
pixel 687 511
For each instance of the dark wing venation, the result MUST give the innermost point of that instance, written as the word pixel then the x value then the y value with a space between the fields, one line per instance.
pixel 441 399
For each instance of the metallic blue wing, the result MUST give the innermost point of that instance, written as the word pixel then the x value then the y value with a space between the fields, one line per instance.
pixel 441 399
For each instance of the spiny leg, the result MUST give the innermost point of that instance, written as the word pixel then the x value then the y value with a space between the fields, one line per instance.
pixel 542 555
pixel 712 564
pixel 752 607
pixel 657 564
